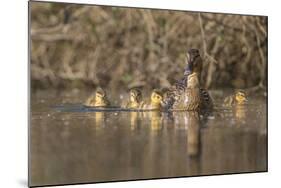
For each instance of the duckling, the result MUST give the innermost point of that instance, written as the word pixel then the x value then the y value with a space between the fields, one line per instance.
pixel 135 100
pixel 239 98
pixel 156 100
pixel 98 100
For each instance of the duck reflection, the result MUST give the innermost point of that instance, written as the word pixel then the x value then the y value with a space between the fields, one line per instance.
pixel 66 130
pixel 99 120
pixel 193 134
pixel 189 121
pixel 240 113
pixel 134 120
pixel 155 120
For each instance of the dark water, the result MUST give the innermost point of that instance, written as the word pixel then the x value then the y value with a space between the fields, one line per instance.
pixel 69 145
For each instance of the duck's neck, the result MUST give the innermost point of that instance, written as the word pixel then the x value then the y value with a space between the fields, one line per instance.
pixel 193 82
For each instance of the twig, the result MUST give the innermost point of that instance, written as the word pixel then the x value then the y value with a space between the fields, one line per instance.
pixel 202 35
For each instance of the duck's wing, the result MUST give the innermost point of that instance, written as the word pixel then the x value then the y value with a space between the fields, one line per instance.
pixel 145 104
pixel 173 95
pixel 90 101
pixel 169 99
pixel 132 105
pixel 206 99
pixel 107 103
pixel 192 99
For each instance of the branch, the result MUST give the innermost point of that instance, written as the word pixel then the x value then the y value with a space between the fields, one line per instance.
pixel 202 35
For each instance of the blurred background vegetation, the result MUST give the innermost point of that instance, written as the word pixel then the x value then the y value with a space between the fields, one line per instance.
pixel 79 46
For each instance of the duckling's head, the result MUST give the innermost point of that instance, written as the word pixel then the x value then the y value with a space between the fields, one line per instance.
pixel 240 97
pixel 193 65
pixel 156 97
pixel 135 95
pixel 193 81
pixel 100 94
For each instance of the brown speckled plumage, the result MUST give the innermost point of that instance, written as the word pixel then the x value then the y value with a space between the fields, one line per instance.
pixel 177 96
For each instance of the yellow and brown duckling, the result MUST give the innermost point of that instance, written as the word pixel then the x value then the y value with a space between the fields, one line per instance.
pixel 156 101
pixel 239 98
pixel 135 99
pixel 99 99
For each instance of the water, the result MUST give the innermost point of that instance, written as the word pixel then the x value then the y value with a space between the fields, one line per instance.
pixel 72 145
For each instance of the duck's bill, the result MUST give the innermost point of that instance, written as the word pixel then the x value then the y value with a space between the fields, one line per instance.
pixel 187 72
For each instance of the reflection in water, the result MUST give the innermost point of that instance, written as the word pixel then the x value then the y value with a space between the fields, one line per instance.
pixel 193 133
pixel 134 120
pixel 155 120
pixel 99 120
pixel 190 121
pixel 73 147
pixel 240 113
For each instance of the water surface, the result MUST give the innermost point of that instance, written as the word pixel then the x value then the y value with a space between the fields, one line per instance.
pixel 69 144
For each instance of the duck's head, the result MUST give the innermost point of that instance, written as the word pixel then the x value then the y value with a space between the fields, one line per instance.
pixel 193 61
pixel 135 95
pixel 240 97
pixel 156 98
pixel 100 94
pixel 193 81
